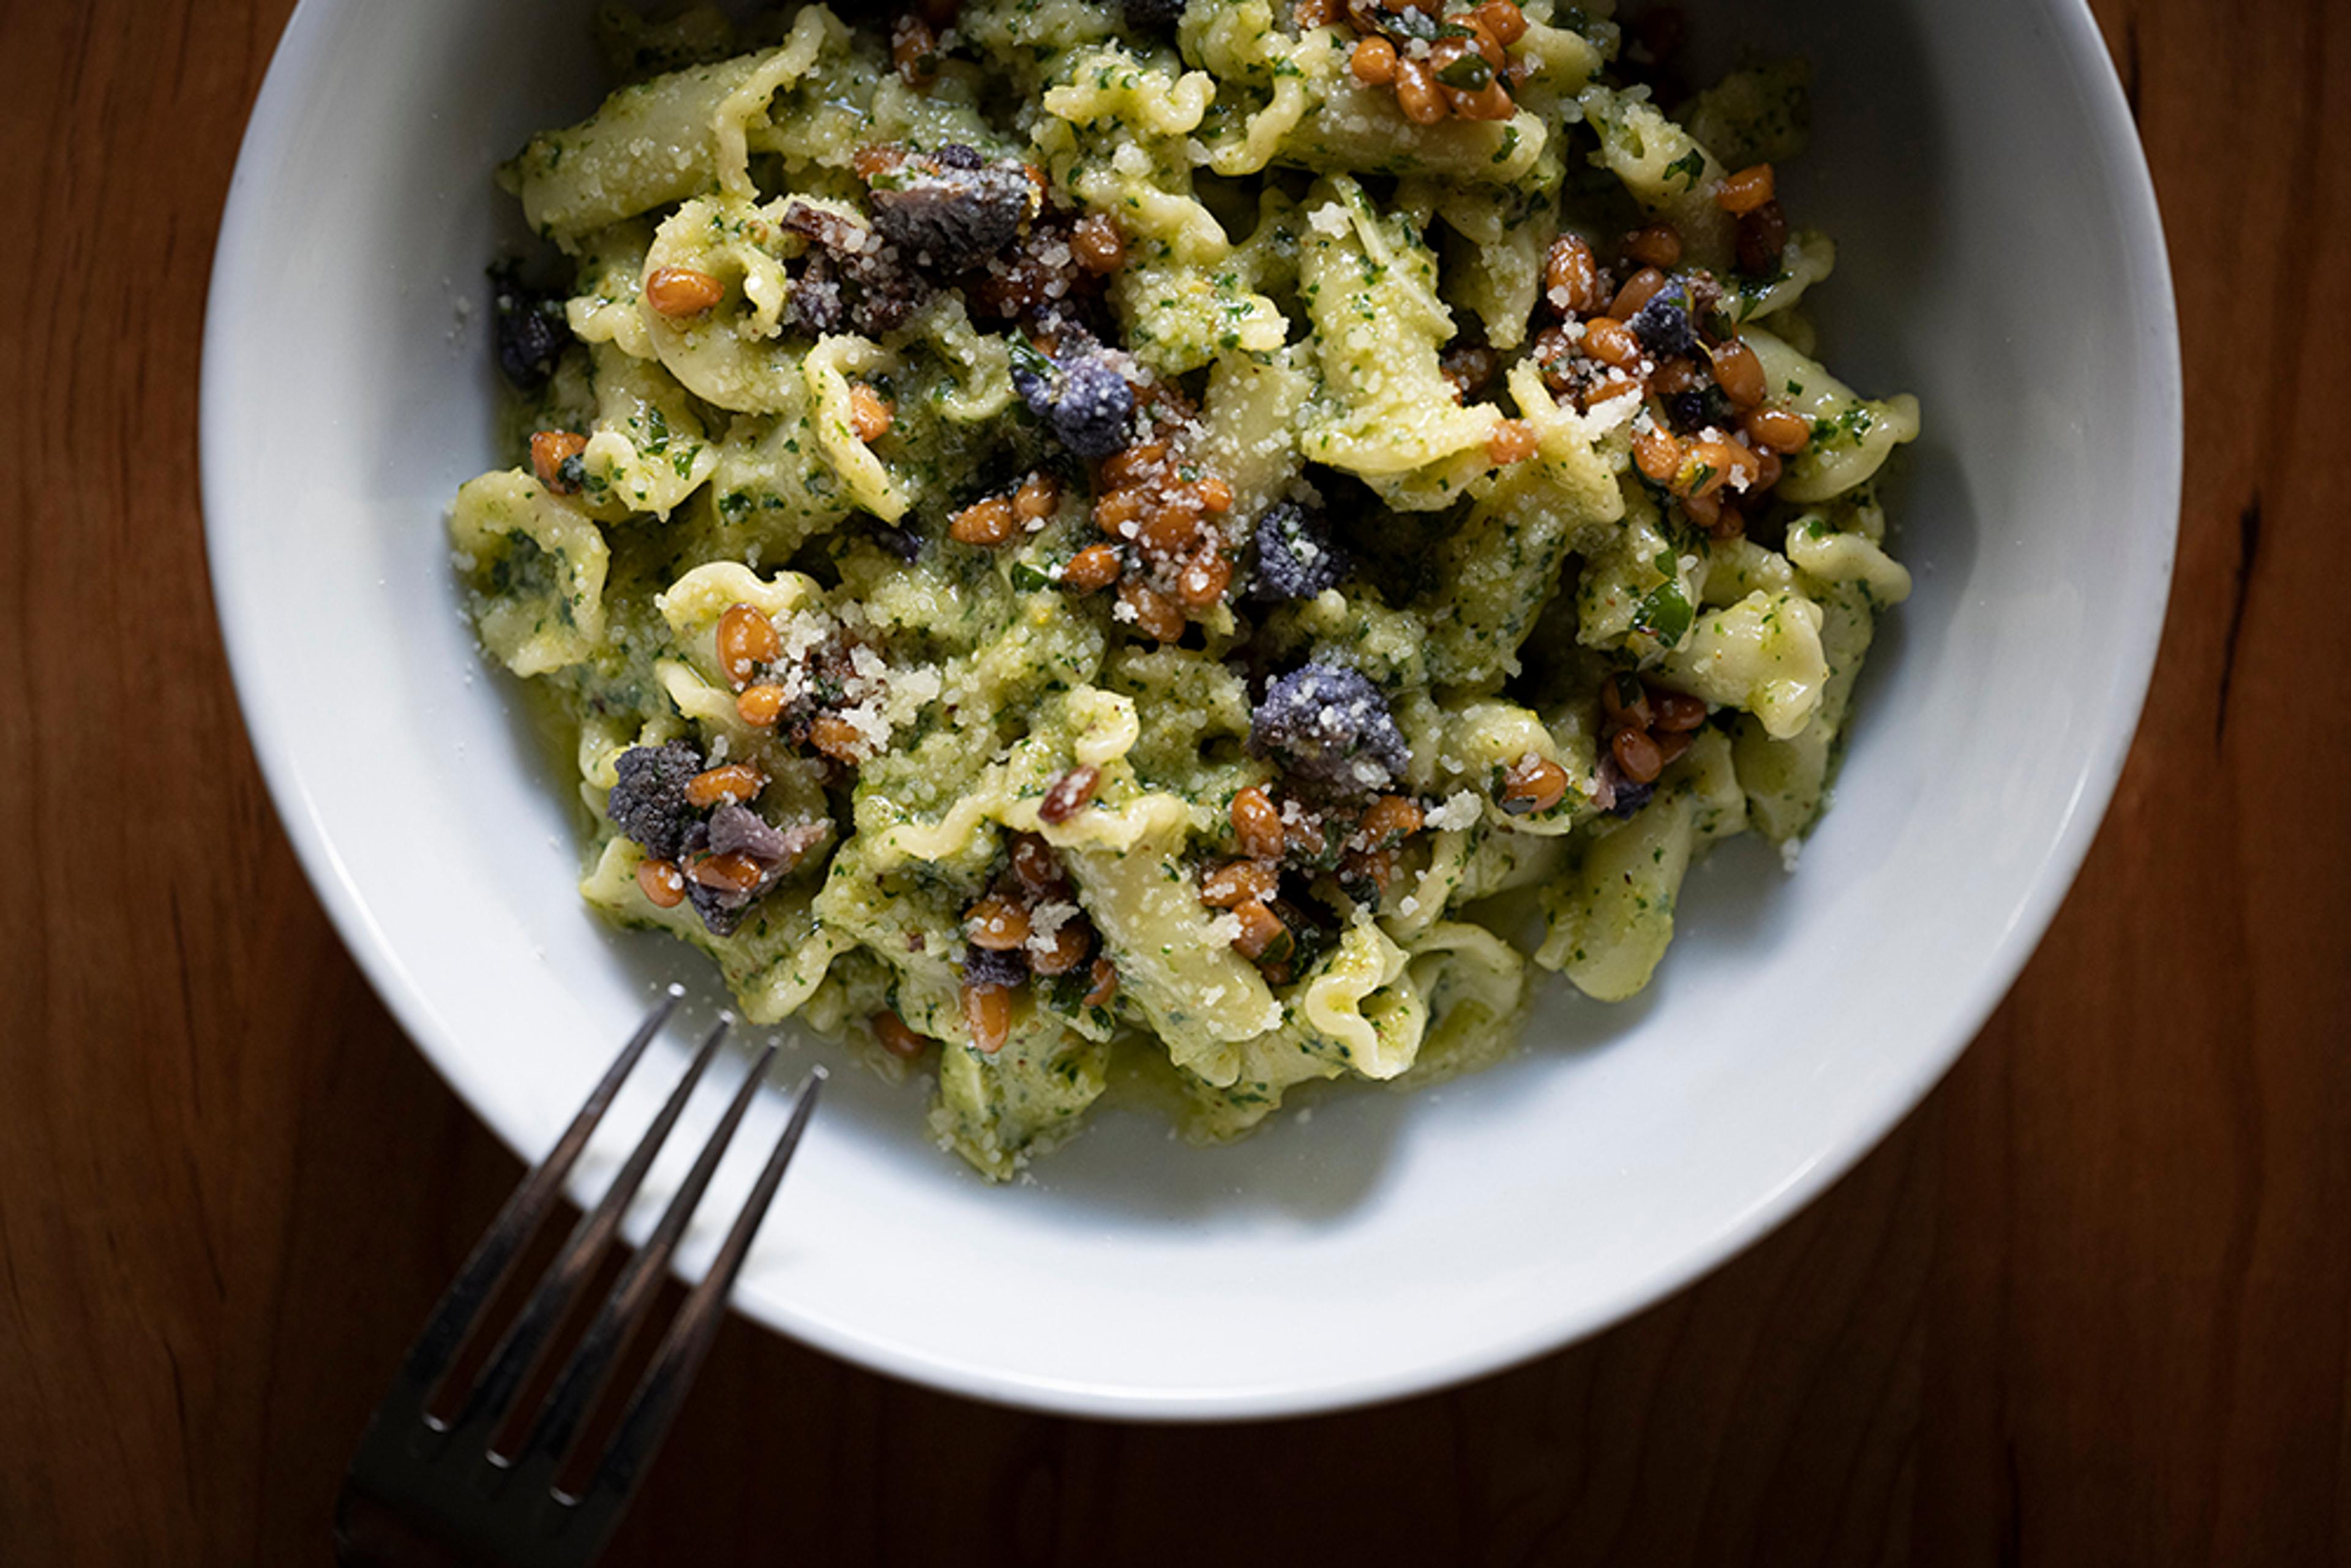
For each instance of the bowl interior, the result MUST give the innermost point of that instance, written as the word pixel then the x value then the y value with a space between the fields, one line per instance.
pixel 1999 257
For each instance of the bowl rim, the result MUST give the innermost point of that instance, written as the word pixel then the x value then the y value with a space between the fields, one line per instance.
pixel 2122 161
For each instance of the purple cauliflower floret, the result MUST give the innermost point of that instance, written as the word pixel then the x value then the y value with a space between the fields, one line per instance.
pixel 816 301
pixel 1330 726
pixel 1630 799
pixel 902 542
pixel 1153 16
pixel 1663 324
pixel 648 801
pixel 1296 556
pixel 738 830
pixel 987 967
pixel 1084 400
pixel 1614 792
pixel 851 274
pixel 531 330
pixel 722 912
pixel 953 210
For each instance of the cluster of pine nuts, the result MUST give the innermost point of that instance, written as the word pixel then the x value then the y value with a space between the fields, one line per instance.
pixel 748 645
pixel 1440 65
pixel 1004 922
pixel 1648 727
pixel 1274 837
pixel 1156 510
pixel 1717 472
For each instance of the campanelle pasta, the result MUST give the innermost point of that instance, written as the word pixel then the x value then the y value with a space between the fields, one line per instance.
pixel 1162 541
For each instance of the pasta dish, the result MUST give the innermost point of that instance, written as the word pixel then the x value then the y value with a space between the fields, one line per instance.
pixel 1196 545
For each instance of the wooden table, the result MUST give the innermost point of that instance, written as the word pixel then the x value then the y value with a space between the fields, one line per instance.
pixel 2092 1303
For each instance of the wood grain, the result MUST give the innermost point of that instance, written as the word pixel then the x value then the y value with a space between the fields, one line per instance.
pixel 2091 1304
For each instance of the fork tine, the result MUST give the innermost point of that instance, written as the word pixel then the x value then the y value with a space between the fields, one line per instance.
pixel 576 1389
pixel 446 1330
pixel 664 1387
pixel 519 1348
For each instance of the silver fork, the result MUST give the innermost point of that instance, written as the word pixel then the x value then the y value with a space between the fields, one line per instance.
pixel 425 1489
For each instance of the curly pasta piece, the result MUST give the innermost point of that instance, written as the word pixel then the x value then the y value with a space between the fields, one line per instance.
pixel 536 565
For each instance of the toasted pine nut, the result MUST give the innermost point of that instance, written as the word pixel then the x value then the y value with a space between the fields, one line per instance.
pixel 1571 277
pixel 1256 823
pixel 1094 567
pixel 1492 101
pixel 1705 507
pixel 1204 579
pixel 1039 498
pixel 913 51
pixel 1677 712
pixel 1117 512
pixel 1712 465
pixel 1261 928
pixel 550 450
pixel 1739 373
pixel 661 883
pixel 760 707
pixel 1065 949
pixel 1762 239
pixel 1611 343
pixel 1657 453
pixel 747 639
pixel 1099 244
pixel 895 1037
pixel 1779 430
pixel 996 924
pixel 1069 794
pixel 876 159
pixel 1533 785
pixel 1374 61
pixel 1625 701
pixel 987 523
pixel 1490 48
pixel 1417 94
pixel 1614 387
pixel 732 873
pixel 1036 868
pixel 1658 246
pixel 1169 528
pixel 1390 818
pixel 1155 615
pixel 1742 192
pixel 870 413
pixel 1637 754
pixel 676 291
pixel 1512 441
pixel 1216 493
pixel 1238 881
pixel 1504 20
pixel 1639 290
pixel 1679 374
pixel 1131 465
pixel 837 739
pixel 1104 989
pixel 987 1013
pixel 731 786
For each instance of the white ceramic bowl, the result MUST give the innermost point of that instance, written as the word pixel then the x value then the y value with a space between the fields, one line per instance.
pixel 2002 259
